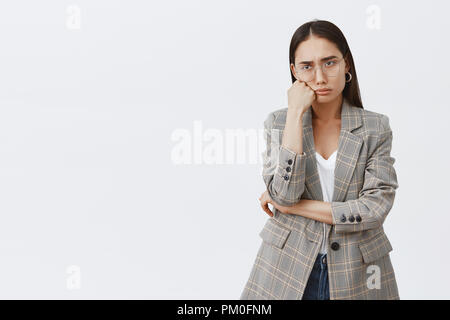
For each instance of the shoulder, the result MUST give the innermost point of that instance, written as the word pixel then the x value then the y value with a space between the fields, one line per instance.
pixel 375 131
pixel 276 118
pixel 374 122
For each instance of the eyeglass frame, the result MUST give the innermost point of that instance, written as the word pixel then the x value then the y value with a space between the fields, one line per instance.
pixel 314 68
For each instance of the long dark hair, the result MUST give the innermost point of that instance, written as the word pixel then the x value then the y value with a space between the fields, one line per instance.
pixel 329 31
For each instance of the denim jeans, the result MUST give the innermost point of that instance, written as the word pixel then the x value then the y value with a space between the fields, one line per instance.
pixel 317 287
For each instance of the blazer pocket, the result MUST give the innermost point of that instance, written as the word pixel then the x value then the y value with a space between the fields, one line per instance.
pixel 376 247
pixel 274 233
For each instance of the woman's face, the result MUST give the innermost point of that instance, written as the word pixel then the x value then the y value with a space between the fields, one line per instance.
pixel 329 73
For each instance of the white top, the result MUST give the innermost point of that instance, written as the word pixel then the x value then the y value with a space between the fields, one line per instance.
pixel 325 169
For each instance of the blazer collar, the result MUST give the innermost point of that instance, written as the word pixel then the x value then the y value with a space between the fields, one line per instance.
pixel 350 116
pixel 347 154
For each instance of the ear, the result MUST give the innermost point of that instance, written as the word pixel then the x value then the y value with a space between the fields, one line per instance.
pixel 347 66
pixel 293 71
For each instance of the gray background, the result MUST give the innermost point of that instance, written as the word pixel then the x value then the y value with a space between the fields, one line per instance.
pixel 87 176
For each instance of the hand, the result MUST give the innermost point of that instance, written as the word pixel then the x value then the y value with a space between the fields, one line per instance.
pixel 300 97
pixel 265 199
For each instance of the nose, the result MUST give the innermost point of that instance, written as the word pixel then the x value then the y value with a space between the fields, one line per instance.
pixel 320 76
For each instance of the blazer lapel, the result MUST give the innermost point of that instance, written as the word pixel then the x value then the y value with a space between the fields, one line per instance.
pixel 347 154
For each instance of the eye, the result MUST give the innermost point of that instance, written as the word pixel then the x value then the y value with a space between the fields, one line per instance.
pixel 303 67
pixel 330 63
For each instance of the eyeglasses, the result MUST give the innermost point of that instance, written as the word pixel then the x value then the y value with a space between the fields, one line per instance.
pixel 331 68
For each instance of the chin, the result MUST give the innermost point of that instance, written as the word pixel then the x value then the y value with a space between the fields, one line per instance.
pixel 327 98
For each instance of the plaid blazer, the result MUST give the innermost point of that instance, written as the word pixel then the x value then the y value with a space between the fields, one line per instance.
pixel 359 266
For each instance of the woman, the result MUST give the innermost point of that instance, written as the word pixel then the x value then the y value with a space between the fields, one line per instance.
pixel 330 178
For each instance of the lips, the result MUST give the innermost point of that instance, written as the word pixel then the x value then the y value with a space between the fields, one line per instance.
pixel 323 90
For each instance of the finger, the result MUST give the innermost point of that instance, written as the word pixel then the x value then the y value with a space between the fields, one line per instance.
pixel 267 209
pixel 307 85
pixel 262 207
pixel 263 203
pixel 265 206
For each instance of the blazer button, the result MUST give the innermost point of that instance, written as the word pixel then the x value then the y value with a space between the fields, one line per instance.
pixel 286 177
pixel 358 218
pixel 351 218
pixel 288 169
pixel 289 161
pixel 335 246
pixel 343 218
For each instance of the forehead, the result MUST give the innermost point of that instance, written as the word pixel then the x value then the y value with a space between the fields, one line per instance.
pixel 316 48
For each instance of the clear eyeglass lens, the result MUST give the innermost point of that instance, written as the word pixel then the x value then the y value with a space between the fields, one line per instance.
pixel 330 68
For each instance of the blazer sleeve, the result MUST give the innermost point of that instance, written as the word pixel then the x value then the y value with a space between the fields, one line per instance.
pixel 283 169
pixel 376 197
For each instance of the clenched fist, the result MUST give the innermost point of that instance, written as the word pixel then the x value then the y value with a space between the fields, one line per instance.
pixel 300 97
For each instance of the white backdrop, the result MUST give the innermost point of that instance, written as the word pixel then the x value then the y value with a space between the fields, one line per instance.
pixel 98 99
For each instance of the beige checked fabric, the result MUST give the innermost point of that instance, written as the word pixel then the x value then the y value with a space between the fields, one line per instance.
pixel 359 266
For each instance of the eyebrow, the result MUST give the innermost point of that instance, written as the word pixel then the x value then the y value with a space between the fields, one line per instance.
pixel 323 59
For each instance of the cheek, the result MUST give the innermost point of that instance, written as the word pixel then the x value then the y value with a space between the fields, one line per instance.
pixel 339 83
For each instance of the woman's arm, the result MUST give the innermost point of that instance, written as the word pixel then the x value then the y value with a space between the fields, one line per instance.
pixel 375 198
pixel 377 195
pixel 312 209
pixel 284 185
pixel 285 163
